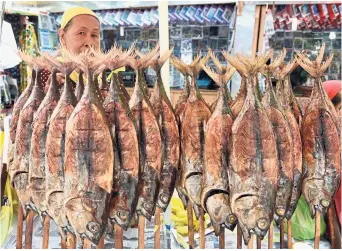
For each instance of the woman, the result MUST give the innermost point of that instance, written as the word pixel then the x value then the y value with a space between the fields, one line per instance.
pixel 80 30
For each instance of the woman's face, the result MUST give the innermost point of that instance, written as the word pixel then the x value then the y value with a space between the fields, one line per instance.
pixel 82 33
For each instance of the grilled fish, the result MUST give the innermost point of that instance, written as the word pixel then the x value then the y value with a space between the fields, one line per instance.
pixel 40 129
pixel 89 159
pixel 150 137
pixel 253 163
pixel 217 148
pixel 169 126
pixel 320 137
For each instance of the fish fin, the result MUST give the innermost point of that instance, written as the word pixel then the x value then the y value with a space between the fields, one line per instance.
pixel 213 75
pixel 164 57
pixel 320 54
pixel 215 61
pixel 217 229
pixel 230 70
pixel 234 62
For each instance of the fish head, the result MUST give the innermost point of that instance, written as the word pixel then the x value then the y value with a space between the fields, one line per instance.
pixel 82 218
pixel 218 208
pixel 251 214
pixel 317 196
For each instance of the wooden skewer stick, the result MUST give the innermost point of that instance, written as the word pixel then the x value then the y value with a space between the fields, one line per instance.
pixel 63 243
pixel 118 237
pixel 71 241
pixel 331 226
pixel 270 236
pixel 87 244
pixel 29 229
pixel 46 232
pixel 239 237
pixel 289 234
pixel 19 243
pixel 157 232
pixel 141 232
pixel 222 239
pixel 201 230
pixel 251 242
pixel 101 242
pixel 258 243
pixel 282 234
pixel 317 229
pixel 190 227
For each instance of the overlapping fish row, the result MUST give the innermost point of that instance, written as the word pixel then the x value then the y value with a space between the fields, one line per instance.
pixel 91 155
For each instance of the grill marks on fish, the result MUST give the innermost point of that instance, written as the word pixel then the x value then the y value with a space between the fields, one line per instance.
pixel 20 169
pixel 55 154
pixel 126 167
pixel 320 138
pixel 38 140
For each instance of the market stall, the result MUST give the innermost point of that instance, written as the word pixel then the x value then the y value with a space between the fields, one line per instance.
pixel 191 125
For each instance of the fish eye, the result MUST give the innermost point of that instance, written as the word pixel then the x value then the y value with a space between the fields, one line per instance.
pixel 325 203
pixel 164 197
pixel 122 215
pixel 147 206
pixel 231 219
pixel 93 227
pixel 262 224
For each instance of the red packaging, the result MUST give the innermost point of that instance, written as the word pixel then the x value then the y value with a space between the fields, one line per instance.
pixel 333 11
pixel 323 12
pixel 315 11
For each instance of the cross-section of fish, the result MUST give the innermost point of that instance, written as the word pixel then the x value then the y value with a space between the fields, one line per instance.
pixel 89 159
pixel 150 138
pixel 217 148
pixel 320 137
pixel 169 126
pixel 253 163
pixel 40 129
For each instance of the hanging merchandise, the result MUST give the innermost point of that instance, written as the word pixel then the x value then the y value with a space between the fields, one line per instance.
pixel 28 44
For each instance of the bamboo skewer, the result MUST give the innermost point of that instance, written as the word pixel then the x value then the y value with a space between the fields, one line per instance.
pixel 282 234
pixel 118 237
pixel 63 243
pixel 251 242
pixel 258 243
pixel 157 232
pixel 46 232
pixel 190 227
pixel 87 244
pixel 331 226
pixel 71 241
pixel 239 237
pixel 29 229
pixel 222 239
pixel 201 230
pixel 141 232
pixel 270 236
pixel 101 242
pixel 19 243
pixel 289 234
pixel 317 229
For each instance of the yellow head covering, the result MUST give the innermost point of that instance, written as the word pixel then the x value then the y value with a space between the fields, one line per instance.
pixel 73 12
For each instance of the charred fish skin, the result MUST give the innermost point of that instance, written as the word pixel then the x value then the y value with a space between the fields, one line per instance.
pixel 151 152
pixel 55 154
pixel 89 160
pixel 37 150
pixel 165 114
pixel 126 166
pixel 20 168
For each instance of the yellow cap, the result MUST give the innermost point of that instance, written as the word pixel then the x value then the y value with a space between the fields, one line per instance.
pixel 73 12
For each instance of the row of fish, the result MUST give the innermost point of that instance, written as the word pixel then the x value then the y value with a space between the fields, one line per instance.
pixel 88 153
pixel 246 161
